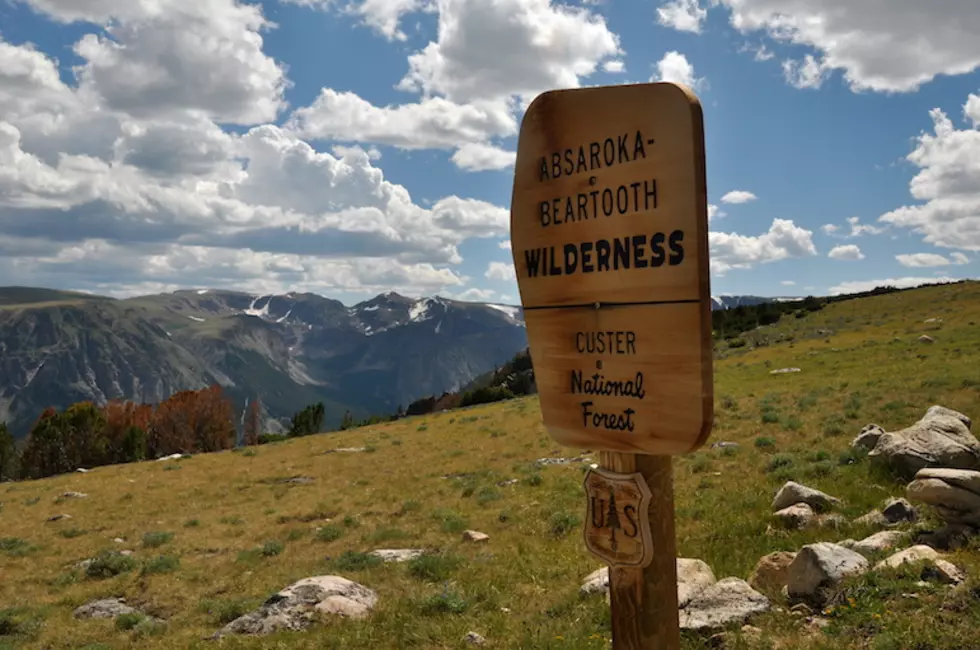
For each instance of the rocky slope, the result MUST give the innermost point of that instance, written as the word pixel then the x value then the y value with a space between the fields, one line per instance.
pixel 290 350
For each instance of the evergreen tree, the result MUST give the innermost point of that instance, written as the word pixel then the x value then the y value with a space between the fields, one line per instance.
pixel 612 519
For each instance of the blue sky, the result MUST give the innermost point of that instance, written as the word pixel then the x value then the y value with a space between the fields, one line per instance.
pixel 349 147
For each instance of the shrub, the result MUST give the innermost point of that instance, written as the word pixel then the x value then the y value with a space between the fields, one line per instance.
pixel 433 568
pixel 108 564
pixel 155 539
pixel 160 564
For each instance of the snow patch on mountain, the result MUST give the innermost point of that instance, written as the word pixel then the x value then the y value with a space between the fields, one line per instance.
pixel 261 313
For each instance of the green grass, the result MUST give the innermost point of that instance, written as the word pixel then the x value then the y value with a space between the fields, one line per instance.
pixel 240 537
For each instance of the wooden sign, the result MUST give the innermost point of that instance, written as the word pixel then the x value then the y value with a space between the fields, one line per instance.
pixel 609 232
pixel 617 522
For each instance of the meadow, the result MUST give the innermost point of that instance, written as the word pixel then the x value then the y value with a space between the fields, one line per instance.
pixel 214 535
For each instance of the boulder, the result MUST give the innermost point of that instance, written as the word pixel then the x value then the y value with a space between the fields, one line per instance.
pixel 943 571
pixel 908 556
pixel 798 515
pixel 819 568
pixel 954 493
pixel 296 606
pixel 727 601
pixel 792 493
pixel 897 511
pixel 882 541
pixel 693 576
pixel 868 438
pixel 104 608
pixel 475 536
pixel 941 438
pixel 770 574
pixel 397 554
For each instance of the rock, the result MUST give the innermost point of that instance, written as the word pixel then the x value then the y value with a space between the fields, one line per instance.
pixel 73 495
pixel 725 444
pixel 868 437
pixel 792 493
pixel 82 470
pixel 874 519
pixel 105 608
pixel 770 573
pixel 908 556
pixel 940 439
pixel 833 520
pixel 475 536
pixel 508 482
pixel 954 493
pixel 725 602
pixel 781 371
pixel 898 511
pixel 119 540
pixel 346 450
pixel 58 517
pixel 693 576
pixel 170 457
pixel 948 538
pixel 295 607
pixel 799 515
pixel 397 554
pixel 882 541
pixel 474 639
pixel 820 567
pixel 943 571
pixel 297 480
pixel 925 338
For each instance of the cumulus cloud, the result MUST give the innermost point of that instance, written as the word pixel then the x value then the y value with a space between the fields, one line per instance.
pixel 714 212
pixel 383 16
pixel 738 196
pixel 503 271
pixel 431 123
pixel 682 15
pixel 477 156
pixel 784 240
pixel 614 66
pixel 675 68
pixel 854 229
pixel 488 50
pixel 847 252
pixel 878 45
pixel 947 185
pixel 925 260
pixel 857 286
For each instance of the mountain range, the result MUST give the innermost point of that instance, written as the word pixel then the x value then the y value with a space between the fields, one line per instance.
pixel 290 350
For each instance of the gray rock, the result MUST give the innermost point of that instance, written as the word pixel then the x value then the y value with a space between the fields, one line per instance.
pixel 820 567
pixel 874 519
pixel 868 437
pixel 693 576
pixel 792 493
pixel 940 439
pixel 898 511
pixel 925 338
pixel 397 554
pixel 955 494
pixel 796 516
pixel 296 606
pixel 942 411
pixel 59 517
pixel 475 536
pixel 882 541
pixel 910 555
pixel 104 608
pixel 474 639
pixel 728 601
pixel 73 495
pixel 943 571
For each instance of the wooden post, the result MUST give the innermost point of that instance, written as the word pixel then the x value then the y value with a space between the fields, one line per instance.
pixel 644 601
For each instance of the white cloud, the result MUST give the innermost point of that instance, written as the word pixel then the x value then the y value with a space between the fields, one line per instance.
pixel 829 228
pixel 788 283
pixel 738 196
pixel 383 16
pixel 854 229
pixel 925 260
pixel 504 244
pixel 489 50
pixel 614 66
pixel 808 73
pixel 881 45
pixel 675 68
pixel 432 123
pixel 714 212
pixel 682 15
pixel 503 271
pixel 857 286
pixel 475 295
pixel 847 252
pixel 947 186
pixel 784 240
pixel 476 156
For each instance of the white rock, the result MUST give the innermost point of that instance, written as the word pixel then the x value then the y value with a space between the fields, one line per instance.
pixel 798 515
pixel 819 567
pixel 475 536
pixel 882 541
pixel 693 576
pixel 397 554
pixel 908 556
pixel 792 493
pixel 727 601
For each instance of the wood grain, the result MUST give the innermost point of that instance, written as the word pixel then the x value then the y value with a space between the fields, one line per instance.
pixel 644 600
pixel 626 540
pixel 644 260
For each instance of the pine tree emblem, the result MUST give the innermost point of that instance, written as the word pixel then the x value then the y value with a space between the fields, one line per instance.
pixel 612 519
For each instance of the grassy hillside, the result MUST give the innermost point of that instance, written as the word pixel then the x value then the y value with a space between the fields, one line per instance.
pixel 241 532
